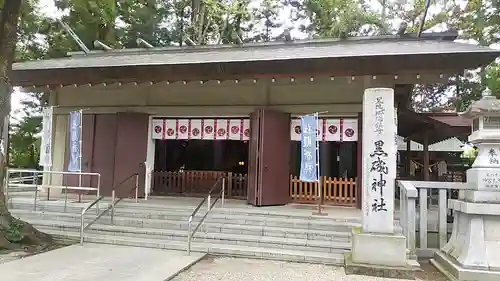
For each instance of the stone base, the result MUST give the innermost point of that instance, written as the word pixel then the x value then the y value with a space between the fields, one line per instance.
pixel 456 272
pixel 379 255
pixel 379 249
pixel 400 272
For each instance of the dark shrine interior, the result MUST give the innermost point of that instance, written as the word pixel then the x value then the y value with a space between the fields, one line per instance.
pixel 337 159
pixel 202 155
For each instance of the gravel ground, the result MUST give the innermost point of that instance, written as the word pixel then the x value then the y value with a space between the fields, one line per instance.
pixel 236 269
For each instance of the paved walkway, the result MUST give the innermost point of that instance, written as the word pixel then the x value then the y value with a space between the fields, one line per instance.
pixel 99 262
pixel 235 269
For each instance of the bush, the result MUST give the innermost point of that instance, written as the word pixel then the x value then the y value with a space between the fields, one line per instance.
pixel 14 232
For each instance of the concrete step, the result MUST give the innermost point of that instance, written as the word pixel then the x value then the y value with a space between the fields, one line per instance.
pixel 213 218
pixel 76 207
pixel 141 214
pixel 337 246
pixel 145 208
pixel 215 249
pixel 280 213
pixel 208 226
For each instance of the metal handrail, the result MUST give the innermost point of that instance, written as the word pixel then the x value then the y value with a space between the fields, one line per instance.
pixel 210 205
pixel 111 206
pixel 23 179
pixel 39 187
pixel 113 194
pixel 82 217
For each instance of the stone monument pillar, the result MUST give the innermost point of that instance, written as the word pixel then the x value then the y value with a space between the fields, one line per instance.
pixel 378 249
pixel 473 251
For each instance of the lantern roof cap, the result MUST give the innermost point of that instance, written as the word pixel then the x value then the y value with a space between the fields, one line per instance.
pixel 487 105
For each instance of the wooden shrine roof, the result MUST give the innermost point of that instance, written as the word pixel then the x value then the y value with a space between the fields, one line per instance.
pixel 353 56
pixel 413 125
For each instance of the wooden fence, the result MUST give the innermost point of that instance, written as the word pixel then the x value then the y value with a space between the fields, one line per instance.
pixel 198 183
pixel 237 186
pixel 335 191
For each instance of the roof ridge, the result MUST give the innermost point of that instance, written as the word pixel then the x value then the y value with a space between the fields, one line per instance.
pixel 446 36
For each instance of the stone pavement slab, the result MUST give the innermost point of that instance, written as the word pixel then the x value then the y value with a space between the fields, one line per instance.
pixel 99 262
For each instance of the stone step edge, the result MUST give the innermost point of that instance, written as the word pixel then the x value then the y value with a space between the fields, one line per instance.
pixel 208 220
pixel 312 243
pixel 266 232
pixel 24 205
pixel 213 215
pixel 215 249
pixel 225 211
pixel 257 228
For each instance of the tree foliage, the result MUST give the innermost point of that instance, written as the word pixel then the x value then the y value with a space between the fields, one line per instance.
pixel 25 140
pixel 339 18
pixel 478 22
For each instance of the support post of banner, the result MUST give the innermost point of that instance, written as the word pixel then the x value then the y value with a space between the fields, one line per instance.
pixel 49 181
pixel 319 211
pixel 80 157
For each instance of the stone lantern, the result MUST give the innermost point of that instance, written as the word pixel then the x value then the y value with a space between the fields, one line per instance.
pixel 485 115
pixel 472 252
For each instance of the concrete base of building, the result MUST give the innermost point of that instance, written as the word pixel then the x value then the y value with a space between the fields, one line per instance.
pixel 454 271
pixel 400 272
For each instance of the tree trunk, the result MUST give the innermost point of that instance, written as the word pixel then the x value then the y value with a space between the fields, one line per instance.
pixel 26 233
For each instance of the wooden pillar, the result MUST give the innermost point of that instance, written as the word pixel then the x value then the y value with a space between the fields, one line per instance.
pixel 324 161
pixel 408 157
pixel 359 164
pixel 426 156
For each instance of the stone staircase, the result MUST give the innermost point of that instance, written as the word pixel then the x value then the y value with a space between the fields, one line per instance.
pixel 233 231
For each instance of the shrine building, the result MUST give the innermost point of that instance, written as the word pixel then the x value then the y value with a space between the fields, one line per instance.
pixel 182 117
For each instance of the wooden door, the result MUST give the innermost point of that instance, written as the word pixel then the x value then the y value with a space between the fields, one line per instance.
pixel 103 161
pixel 130 151
pixel 274 158
pixel 253 156
pixel 269 157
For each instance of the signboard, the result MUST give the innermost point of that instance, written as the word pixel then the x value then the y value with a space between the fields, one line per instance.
pixel 309 149
pixel 75 141
pixel 379 160
pixel 46 143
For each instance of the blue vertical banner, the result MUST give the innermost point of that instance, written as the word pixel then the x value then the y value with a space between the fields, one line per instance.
pixel 309 149
pixel 75 123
